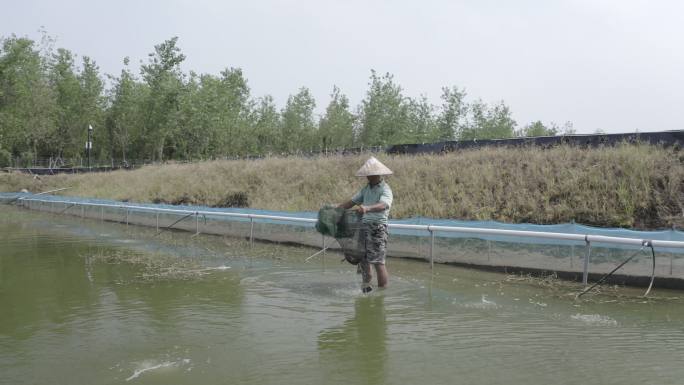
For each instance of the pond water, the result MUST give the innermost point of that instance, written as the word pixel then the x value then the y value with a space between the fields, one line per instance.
pixel 85 302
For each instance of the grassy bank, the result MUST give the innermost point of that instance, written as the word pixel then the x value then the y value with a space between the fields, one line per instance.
pixel 638 186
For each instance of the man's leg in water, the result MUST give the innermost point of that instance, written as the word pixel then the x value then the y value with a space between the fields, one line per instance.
pixel 376 241
pixel 366 275
pixel 383 276
pixel 376 249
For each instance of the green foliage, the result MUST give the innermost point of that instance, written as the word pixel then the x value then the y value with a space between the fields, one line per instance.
pixel 450 122
pixel 49 97
pixel 489 122
pixel 384 113
pixel 5 158
pixel 537 129
pixel 27 103
pixel 265 121
pixel 163 76
pixel 67 97
pixel 336 127
pixel 422 127
pixel 124 118
pixel 298 128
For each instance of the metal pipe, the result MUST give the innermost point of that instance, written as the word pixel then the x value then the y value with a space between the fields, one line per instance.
pixel 447 229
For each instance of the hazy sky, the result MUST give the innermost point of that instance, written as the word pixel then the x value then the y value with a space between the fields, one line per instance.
pixel 612 65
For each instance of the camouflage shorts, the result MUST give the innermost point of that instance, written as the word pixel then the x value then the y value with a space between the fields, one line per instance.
pixel 373 238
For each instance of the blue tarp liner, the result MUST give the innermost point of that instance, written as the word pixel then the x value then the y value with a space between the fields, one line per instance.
pixel 566 228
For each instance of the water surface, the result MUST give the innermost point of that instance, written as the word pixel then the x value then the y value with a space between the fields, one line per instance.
pixel 85 302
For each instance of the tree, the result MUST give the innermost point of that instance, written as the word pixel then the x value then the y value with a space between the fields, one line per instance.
pixel 298 128
pixel 537 129
pixel 384 117
pixel 215 115
pixel 124 115
pixel 27 105
pixel 568 129
pixel 92 105
pixel 422 127
pixel 265 121
pixel 164 78
pixel 64 81
pixel 489 122
pixel 233 95
pixel 453 112
pixel 336 127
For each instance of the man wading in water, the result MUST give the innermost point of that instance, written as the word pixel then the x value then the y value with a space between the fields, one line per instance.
pixel 374 202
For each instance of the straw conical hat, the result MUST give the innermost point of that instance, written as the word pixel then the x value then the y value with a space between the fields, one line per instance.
pixel 373 167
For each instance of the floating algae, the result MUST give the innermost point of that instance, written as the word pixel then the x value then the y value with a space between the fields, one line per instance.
pixel 153 265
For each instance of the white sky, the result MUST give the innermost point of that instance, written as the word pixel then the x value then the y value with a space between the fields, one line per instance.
pixel 611 65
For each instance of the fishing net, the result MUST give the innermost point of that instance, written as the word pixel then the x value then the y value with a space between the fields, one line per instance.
pixel 343 225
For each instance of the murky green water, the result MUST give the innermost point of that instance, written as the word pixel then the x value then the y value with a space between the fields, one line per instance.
pixel 89 303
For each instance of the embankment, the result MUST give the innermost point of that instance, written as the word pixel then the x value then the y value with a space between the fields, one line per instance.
pixel 634 186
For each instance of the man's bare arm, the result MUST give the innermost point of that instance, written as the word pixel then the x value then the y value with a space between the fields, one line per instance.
pixel 347 205
pixel 380 206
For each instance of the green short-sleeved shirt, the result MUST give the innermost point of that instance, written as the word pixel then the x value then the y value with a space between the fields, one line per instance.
pixel 370 195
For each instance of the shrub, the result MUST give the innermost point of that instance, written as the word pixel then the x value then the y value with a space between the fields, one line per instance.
pixel 5 158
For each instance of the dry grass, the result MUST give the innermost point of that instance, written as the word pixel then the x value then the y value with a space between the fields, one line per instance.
pixel 639 186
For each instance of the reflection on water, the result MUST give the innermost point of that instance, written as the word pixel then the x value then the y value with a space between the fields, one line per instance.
pixel 131 307
pixel 356 350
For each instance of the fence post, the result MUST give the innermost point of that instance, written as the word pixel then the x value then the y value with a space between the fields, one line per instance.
pixel 432 248
pixel 196 223
pixel 251 232
pixel 157 221
pixel 102 214
pixel 127 216
pixel 82 212
pixel 572 255
pixel 585 273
